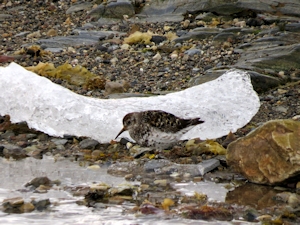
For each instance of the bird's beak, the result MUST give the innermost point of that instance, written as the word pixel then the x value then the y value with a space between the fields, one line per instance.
pixel 123 129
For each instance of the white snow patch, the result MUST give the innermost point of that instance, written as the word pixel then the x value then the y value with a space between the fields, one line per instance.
pixel 225 104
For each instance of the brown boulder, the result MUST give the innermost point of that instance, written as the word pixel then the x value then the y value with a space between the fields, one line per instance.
pixel 268 155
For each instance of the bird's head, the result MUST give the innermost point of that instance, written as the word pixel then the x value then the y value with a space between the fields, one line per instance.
pixel 128 122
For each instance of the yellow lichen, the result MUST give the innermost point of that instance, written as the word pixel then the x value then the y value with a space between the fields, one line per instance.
pixel 138 37
pixel 198 147
pixel 171 36
pixel 77 75
pixel 167 203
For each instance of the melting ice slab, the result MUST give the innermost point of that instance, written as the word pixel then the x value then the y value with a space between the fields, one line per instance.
pixel 225 104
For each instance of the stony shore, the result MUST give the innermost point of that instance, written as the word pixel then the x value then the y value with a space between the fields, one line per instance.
pixel 185 50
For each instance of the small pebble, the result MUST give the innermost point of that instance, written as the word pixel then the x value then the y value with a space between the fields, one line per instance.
pixel 157 56
pixel 128 176
pixel 94 167
pixel 281 74
pixel 129 145
pixel 161 182
pixel 297 117
pixel 175 174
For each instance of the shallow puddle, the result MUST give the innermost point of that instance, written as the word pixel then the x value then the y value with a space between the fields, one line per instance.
pixel 214 191
pixel 64 210
pixel 17 173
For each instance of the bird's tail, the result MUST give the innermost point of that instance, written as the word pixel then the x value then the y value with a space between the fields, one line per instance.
pixel 196 121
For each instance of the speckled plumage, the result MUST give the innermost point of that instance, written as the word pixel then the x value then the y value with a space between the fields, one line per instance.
pixel 156 128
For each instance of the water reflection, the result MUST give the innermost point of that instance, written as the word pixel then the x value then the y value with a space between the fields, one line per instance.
pixel 256 196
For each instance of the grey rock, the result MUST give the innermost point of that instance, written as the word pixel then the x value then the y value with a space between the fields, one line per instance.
pixel 31 136
pixel 207 166
pixel 14 151
pixel 292 27
pixel 36 182
pixel 113 10
pixel 113 48
pixel 193 51
pixel 195 70
pixel 234 30
pixel 79 7
pixel 196 35
pixel 268 42
pixel 119 9
pixel 31 148
pixel 54 50
pixel 22 34
pixel 107 21
pixel 205 16
pixel 238 7
pixel 83 38
pixel 41 205
pixel 137 151
pixel 59 141
pixel 279 58
pixel 124 141
pixel 87 26
pixel 193 169
pixel 223 176
pixel 163 167
pixel 249 31
pixel 63 42
pixel 262 83
pixel 224 36
pixel 158 39
pixel 155 165
pixel 88 144
pixel 4 17
pixel 97 12
pixel 43 137
pixel 34 151
pixel 60 147
pixel 160 18
pixel 221 7
pixel 7 135
pixel 281 109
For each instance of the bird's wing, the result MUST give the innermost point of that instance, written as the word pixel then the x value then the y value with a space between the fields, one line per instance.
pixel 164 121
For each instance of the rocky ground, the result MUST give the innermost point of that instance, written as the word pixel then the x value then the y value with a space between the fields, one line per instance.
pixel 139 68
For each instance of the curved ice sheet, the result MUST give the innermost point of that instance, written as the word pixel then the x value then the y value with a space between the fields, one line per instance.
pixel 225 104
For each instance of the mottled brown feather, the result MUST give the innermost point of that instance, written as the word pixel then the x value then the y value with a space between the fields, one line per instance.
pixel 167 122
